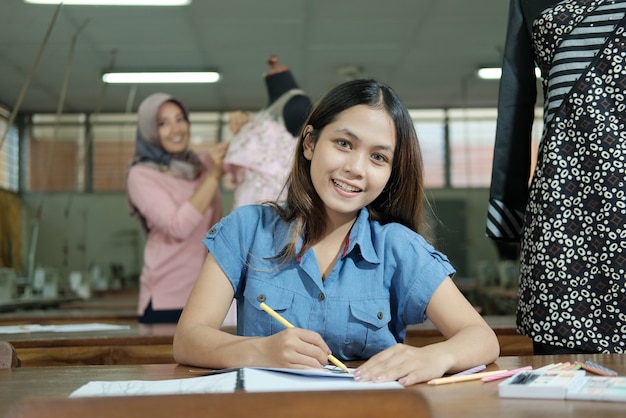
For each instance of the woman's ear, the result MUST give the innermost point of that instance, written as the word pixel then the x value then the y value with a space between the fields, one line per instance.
pixel 308 143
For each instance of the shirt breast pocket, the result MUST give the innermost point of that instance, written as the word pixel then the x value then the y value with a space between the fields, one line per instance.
pixel 260 323
pixel 368 328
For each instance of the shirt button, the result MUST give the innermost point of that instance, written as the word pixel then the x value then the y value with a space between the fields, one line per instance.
pixel 380 315
pixel 212 231
pixel 321 296
pixel 261 298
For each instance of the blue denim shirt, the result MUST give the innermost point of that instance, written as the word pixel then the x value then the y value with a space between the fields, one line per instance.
pixel 382 281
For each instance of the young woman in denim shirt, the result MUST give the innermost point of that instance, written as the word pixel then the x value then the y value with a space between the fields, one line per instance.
pixel 342 260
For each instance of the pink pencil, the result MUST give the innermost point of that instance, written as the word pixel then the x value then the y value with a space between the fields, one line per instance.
pixel 504 374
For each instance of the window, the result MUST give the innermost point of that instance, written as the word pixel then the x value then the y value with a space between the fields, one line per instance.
pixel 82 153
pixel 113 147
pixel 430 127
pixel 56 153
pixel 472 137
pixel 9 154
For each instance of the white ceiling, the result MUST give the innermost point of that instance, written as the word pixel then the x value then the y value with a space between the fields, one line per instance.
pixel 428 50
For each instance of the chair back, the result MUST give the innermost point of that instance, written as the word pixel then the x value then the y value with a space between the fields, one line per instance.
pixel 8 356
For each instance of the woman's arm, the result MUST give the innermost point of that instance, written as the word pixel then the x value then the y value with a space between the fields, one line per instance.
pixel 469 342
pixel 199 341
pixel 178 220
pixel 204 195
pixel 508 193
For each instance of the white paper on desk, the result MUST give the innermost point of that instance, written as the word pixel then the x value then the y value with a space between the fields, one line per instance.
pixel 290 380
pixel 26 328
pixel 326 371
pixel 217 383
pixel 254 380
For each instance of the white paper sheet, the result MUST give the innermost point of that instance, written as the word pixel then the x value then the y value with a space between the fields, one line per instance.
pixel 219 383
pixel 287 380
pixel 254 380
pixel 26 328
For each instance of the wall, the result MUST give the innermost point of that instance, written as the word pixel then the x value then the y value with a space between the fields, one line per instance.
pixel 472 214
pixel 77 230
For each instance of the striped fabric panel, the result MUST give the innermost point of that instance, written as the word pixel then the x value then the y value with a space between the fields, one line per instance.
pixel 578 50
pixel 502 222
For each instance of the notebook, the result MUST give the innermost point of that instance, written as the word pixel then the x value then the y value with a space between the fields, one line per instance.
pixel 248 379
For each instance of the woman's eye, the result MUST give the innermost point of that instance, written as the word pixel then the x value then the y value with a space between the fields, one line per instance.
pixel 379 158
pixel 343 143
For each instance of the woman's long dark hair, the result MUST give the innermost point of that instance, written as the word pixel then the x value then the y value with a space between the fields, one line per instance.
pixel 402 198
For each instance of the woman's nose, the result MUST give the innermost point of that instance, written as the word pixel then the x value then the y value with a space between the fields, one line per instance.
pixel 177 128
pixel 354 164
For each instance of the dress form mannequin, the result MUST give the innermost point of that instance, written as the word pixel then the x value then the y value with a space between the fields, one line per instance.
pixel 279 80
pixel 578 46
pixel 261 150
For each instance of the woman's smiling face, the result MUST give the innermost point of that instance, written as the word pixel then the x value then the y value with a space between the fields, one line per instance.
pixel 352 158
pixel 173 128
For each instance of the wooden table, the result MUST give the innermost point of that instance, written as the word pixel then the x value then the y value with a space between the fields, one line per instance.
pixel 153 344
pixel 43 392
pixel 111 307
pixel 144 344
pixel 35 303
pixel 139 344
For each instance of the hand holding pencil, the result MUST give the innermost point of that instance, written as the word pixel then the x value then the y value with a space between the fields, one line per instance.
pixel 288 324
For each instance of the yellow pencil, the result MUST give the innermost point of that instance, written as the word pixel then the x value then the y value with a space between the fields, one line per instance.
pixel 288 324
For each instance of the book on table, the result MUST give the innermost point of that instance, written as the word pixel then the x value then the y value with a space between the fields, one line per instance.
pixel 248 379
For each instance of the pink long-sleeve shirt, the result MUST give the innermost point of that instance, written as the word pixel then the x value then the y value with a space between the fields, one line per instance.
pixel 174 253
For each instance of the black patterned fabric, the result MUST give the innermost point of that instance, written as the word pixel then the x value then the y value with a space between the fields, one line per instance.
pixel 573 238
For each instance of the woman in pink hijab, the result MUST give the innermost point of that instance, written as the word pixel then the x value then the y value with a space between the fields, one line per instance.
pixel 175 194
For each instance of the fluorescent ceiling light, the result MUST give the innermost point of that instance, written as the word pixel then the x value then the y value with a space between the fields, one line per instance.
pixel 491 73
pixel 494 73
pixel 114 2
pixel 162 78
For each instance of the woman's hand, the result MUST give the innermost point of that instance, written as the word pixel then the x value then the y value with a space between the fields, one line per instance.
pixel 217 153
pixel 202 198
pixel 406 364
pixel 294 348
pixel 469 341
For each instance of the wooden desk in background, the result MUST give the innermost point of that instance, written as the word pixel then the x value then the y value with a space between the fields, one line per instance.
pixel 145 344
pixel 111 307
pixel 40 390
pixel 142 344
pixel 139 344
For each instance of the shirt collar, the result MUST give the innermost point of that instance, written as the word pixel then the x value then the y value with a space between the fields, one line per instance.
pixel 360 235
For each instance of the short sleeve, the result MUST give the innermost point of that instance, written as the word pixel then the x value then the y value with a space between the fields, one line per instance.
pixel 239 240
pixel 420 271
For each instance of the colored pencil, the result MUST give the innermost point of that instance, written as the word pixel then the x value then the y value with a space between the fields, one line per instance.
pixel 476 369
pixel 505 374
pixel 465 378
